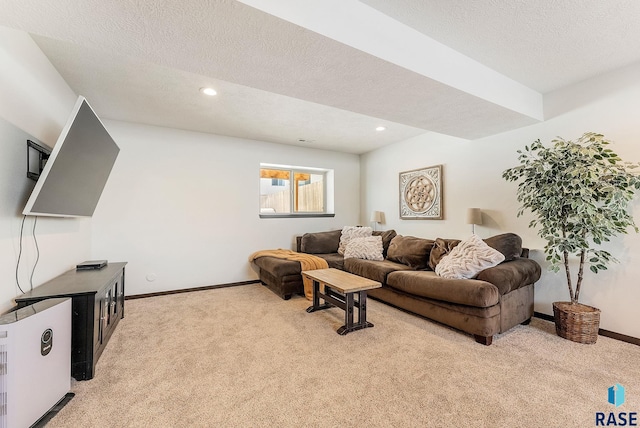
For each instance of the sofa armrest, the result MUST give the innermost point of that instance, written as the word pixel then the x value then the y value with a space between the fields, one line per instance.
pixel 511 275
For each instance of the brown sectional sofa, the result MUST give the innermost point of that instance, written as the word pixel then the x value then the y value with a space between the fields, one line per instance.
pixel 496 300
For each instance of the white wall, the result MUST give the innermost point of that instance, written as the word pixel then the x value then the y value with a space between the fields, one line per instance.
pixel 472 178
pixel 34 97
pixel 34 103
pixel 183 206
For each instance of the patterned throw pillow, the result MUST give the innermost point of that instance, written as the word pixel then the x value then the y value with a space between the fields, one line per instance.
pixel 367 248
pixel 350 232
pixel 468 258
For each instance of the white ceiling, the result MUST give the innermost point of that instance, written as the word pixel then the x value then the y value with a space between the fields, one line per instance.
pixel 329 71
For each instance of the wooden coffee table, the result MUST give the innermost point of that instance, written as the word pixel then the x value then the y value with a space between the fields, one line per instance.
pixel 340 289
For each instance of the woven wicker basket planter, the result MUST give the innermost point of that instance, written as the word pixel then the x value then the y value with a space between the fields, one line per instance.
pixel 577 322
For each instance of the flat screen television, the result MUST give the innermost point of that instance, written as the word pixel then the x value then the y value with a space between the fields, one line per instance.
pixel 78 167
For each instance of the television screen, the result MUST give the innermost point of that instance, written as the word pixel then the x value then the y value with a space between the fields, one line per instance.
pixel 77 170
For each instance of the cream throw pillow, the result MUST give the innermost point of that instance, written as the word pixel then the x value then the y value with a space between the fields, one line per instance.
pixel 468 258
pixel 367 248
pixel 350 232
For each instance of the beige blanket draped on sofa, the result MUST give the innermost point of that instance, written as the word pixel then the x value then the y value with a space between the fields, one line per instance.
pixel 307 262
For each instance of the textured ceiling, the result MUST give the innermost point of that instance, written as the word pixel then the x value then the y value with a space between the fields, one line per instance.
pixel 128 89
pixel 327 71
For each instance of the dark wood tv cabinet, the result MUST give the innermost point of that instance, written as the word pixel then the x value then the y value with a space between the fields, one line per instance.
pixel 97 304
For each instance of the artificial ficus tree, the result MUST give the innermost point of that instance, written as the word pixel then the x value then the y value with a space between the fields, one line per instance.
pixel 579 192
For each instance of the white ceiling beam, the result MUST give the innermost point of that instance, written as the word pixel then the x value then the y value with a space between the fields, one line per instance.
pixel 364 28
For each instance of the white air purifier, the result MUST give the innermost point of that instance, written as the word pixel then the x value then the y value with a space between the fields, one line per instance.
pixel 35 361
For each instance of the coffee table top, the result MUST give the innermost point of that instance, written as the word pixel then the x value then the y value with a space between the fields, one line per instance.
pixel 340 280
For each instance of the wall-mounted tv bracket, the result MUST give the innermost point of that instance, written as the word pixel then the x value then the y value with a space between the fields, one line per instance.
pixel 37 156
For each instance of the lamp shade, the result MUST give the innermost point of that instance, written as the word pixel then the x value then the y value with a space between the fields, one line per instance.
pixel 376 216
pixel 474 216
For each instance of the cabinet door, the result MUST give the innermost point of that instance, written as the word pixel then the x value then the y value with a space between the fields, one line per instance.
pixel 103 307
pixel 106 310
pixel 118 294
pixel 98 326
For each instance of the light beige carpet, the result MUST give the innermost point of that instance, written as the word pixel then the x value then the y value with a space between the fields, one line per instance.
pixel 243 357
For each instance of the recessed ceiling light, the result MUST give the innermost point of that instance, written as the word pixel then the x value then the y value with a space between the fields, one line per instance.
pixel 208 91
pixel 380 128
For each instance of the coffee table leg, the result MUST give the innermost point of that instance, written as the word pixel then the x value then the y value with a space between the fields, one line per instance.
pixel 349 325
pixel 362 309
pixel 316 299
pixel 348 315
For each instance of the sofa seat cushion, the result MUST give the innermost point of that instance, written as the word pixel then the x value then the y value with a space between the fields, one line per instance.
pixel 428 284
pixel 278 267
pixel 438 310
pixel 375 270
pixel 334 260
pixel 511 275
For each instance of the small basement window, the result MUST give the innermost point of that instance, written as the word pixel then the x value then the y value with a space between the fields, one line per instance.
pixel 289 191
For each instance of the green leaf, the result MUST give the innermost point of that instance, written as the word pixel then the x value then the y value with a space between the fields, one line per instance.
pixel 578 194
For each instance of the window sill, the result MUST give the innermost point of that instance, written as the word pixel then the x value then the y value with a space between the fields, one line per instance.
pixel 301 215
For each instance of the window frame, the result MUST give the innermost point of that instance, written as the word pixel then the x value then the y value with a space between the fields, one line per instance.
pixel 327 177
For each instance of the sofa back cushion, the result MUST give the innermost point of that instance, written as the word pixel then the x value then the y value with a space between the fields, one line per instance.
pixel 387 236
pixel 411 251
pixel 441 247
pixel 320 242
pixel 334 260
pixel 509 244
